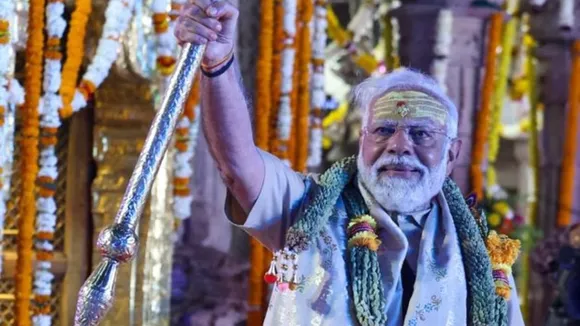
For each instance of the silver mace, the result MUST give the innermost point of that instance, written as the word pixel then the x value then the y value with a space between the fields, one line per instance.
pixel 118 243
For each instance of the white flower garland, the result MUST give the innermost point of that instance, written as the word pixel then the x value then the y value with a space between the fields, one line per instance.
pixel 566 14
pixel 11 94
pixel 49 107
pixel 443 40
pixel 183 167
pixel 284 126
pixel 117 18
pixel 318 96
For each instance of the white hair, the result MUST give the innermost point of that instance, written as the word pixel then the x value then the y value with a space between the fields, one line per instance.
pixel 403 79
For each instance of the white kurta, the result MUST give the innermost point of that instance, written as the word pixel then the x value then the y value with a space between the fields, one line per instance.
pixel 324 296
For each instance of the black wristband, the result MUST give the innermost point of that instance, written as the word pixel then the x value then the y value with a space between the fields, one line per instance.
pixel 220 71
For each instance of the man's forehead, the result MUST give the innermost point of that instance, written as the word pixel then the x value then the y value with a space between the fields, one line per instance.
pixel 409 105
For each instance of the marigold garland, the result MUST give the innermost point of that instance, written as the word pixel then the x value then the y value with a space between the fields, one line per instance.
pixel 480 137
pixel 185 140
pixel 117 18
pixel 505 64
pixel 47 175
pixel 303 105
pixel 75 51
pixel 278 47
pixel 568 172
pixel 29 162
pixel 264 136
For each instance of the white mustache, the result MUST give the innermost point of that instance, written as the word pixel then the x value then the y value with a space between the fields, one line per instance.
pixel 412 163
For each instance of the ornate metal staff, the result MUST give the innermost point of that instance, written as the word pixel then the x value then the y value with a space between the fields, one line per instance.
pixel 118 243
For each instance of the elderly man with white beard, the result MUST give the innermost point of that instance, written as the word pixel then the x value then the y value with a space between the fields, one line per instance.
pixel 384 238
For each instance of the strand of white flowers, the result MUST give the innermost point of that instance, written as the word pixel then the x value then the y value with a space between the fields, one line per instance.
pixel 183 167
pixel 11 94
pixel 284 125
pixel 317 80
pixel 443 39
pixel 117 18
pixel 566 14
pixel 49 106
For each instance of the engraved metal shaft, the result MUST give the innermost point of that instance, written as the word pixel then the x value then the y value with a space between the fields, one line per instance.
pixel 118 243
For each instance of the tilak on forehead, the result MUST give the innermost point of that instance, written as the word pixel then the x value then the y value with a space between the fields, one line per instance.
pixel 399 105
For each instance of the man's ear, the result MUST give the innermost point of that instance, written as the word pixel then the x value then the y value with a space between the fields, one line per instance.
pixel 453 155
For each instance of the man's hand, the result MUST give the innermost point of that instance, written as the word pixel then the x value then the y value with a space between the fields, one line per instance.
pixel 208 22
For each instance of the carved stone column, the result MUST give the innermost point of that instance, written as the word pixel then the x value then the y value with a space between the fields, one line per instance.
pixel 466 61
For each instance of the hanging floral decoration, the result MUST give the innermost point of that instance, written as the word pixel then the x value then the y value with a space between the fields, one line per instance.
pixel 49 107
pixel 117 19
pixel 185 140
pixel 317 84
pixel 483 115
pixel 166 41
pixel 284 126
pixel 501 82
pixel 304 67
pixel 11 94
pixel 443 39
pixel 568 173
pixel 29 161
pixel 75 51
pixel 343 38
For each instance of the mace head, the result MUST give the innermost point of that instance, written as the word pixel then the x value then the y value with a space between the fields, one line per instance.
pixel 118 242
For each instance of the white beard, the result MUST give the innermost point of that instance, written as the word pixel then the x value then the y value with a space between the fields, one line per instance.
pixel 398 194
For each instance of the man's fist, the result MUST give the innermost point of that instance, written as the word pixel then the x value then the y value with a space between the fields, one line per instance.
pixel 208 22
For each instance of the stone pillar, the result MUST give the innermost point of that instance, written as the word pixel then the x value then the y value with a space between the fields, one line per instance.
pixel 466 61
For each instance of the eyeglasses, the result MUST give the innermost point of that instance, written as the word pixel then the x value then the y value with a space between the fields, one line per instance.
pixel 419 135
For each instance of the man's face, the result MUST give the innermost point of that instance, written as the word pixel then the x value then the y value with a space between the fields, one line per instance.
pixel 405 153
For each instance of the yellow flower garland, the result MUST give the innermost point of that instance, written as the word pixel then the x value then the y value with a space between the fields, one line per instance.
pixel 303 86
pixel 75 51
pixel 343 38
pixel 263 115
pixel 509 36
pixel 480 138
pixel 29 161
pixel 568 172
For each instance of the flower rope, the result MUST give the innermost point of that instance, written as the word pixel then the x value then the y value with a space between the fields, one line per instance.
pixel 11 94
pixel 568 172
pixel 483 118
pixel 317 81
pixel 303 100
pixel 276 86
pixel 117 18
pixel 49 107
pixel 264 139
pixel 75 51
pixel 29 162
pixel 505 64
pixel 284 125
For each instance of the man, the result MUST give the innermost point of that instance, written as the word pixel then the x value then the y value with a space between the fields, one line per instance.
pixel 383 239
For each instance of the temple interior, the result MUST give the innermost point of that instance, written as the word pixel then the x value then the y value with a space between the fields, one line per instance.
pixel 71 138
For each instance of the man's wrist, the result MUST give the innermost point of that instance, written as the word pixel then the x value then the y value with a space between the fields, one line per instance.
pixel 217 64
pixel 219 70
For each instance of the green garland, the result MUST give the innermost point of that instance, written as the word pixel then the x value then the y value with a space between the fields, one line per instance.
pixel 484 305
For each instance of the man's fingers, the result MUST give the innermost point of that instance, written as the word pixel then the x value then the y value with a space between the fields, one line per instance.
pixel 193 32
pixel 221 9
pixel 203 4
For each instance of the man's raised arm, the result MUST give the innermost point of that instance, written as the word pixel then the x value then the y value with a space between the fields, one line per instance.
pixel 225 115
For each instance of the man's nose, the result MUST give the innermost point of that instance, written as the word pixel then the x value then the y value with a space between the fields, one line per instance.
pixel 399 143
